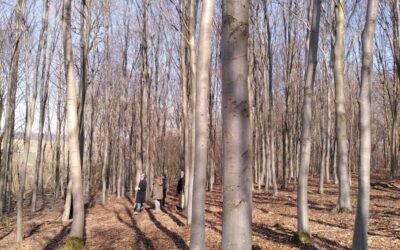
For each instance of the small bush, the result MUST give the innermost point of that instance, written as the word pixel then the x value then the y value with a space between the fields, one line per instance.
pixel 74 243
pixel 303 238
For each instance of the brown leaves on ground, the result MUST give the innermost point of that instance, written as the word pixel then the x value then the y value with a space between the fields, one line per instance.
pixel 115 226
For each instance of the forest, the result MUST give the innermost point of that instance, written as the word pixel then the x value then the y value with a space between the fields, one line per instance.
pixel 199 124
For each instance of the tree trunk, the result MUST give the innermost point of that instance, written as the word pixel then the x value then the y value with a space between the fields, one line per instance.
pixel 193 77
pixel 197 238
pixel 237 182
pixel 342 147
pixel 68 202
pixel 28 129
pixel 58 145
pixel 145 90
pixel 84 32
pixel 302 200
pixel 73 133
pixel 360 237
pixel 322 166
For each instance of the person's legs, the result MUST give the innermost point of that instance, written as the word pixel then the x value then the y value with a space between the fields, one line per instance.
pixel 157 203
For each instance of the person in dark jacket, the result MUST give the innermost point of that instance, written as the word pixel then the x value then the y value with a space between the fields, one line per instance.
pixel 165 188
pixel 140 193
pixel 180 191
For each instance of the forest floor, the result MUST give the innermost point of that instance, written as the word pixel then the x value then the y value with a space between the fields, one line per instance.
pixel 115 226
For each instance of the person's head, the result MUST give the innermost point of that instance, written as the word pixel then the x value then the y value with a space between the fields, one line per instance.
pixel 182 173
pixel 164 176
pixel 160 179
pixel 143 176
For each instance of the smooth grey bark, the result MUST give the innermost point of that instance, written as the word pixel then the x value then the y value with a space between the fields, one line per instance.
pixel 237 168
pixel 197 238
pixel 68 202
pixel 22 173
pixel 322 166
pixel 193 77
pixel 312 60
pixel 342 147
pixel 77 227
pixel 360 237
pixel 84 33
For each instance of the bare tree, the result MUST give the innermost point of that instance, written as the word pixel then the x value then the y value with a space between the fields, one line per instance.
pixel 342 148
pixel 22 172
pixel 77 227
pixel 302 200
pixel 237 180
pixel 197 238
pixel 360 237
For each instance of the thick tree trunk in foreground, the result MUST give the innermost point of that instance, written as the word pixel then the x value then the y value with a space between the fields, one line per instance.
pixel 197 238
pixel 360 237
pixel 342 148
pixel 73 130
pixel 302 200
pixel 237 182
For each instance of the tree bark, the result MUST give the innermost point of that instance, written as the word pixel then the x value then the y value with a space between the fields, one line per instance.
pixel 22 173
pixel 237 179
pixel 342 147
pixel 197 238
pixel 73 130
pixel 360 237
pixel 193 77
pixel 302 200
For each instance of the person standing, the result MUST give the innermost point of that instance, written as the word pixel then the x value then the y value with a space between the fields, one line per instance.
pixel 140 194
pixel 180 191
pixel 158 192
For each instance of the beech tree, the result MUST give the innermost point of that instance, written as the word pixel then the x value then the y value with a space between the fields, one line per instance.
pixel 342 147
pixel 360 237
pixel 77 227
pixel 202 131
pixel 302 200
pixel 237 175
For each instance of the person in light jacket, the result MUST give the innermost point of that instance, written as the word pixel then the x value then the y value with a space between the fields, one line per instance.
pixel 158 192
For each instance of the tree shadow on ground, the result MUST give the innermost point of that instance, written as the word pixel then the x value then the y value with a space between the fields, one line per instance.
pixel 140 236
pixel 31 229
pixel 285 236
pixel 211 224
pixel 217 214
pixel 281 236
pixel 170 214
pixel 341 226
pixel 179 242
pixel 6 234
pixel 56 241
